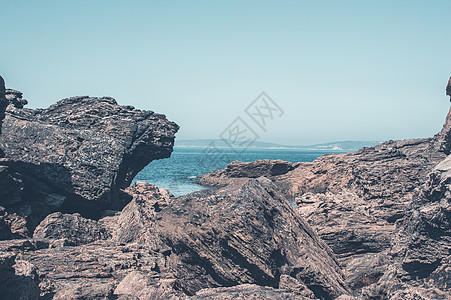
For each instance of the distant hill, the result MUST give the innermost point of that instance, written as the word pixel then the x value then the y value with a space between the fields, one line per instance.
pixel 332 146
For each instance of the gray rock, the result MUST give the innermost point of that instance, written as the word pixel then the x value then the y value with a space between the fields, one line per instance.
pixel 73 228
pixel 3 105
pixel 448 88
pixel 136 219
pixel 78 154
pixel 14 97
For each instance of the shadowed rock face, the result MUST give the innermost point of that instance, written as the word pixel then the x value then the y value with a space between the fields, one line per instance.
pixel 78 154
pixel 3 102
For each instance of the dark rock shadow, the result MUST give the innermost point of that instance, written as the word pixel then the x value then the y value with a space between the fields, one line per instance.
pixel 47 188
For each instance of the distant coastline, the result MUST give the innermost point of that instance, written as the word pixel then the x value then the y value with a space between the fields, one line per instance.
pixel 332 146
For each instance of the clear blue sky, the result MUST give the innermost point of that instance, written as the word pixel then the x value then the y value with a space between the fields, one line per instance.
pixel 341 70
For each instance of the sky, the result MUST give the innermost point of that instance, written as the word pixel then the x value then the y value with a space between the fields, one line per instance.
pixel 339 70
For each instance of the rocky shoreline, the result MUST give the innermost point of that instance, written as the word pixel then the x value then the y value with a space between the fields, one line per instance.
pixel 372 224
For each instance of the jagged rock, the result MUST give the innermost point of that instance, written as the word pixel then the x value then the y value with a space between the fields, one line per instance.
pixel 93 269
pixel 424 241
pixel 244 233
pixel 78 154
pixel 14 97
pixel 3 104
pixel 448 89
pixel 144 287
pixel 12 225
pixel 353 199
pixel 442 140
pixel 366 269
pixel 138 216
pixel 246 291
pixel 267 168
pixel 72 228
pixel 422 246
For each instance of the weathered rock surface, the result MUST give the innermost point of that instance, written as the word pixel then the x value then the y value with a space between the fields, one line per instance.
pixel 246 291
pixel 353 199
pixel 267 168
pixel 93 270
pixel 244 233
pixel 3 104
pixel 384 211
pixel 72 229
pixel 145 287
pixel 448 88
pixel 15 98
pixel 136 219
pixel 19 279
pixel 78 154
pixel 247 233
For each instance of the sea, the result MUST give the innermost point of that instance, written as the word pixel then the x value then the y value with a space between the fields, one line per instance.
pixel 180 172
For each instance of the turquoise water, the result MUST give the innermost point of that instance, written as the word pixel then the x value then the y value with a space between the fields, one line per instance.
pixel 178 173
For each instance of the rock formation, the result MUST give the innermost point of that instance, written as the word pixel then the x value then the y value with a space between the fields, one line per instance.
pixel 373 224
pixel 14 97
pixel 448 89
pixel 3 101
pixel 384 211
pixel 267 168
pixel 245 234
pixel 78 154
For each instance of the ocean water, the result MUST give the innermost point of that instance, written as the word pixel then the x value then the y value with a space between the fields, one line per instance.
pixel 179 173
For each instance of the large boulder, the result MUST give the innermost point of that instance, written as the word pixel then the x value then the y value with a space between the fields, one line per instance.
pixel 244 233
pixel 77 155
pixel 72 229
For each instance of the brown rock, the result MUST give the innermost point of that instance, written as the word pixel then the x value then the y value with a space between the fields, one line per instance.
pixel 138 216
pixel 246 291
pixel 267 168
pixel 353 199
pixel 144 287
pixel 244 233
